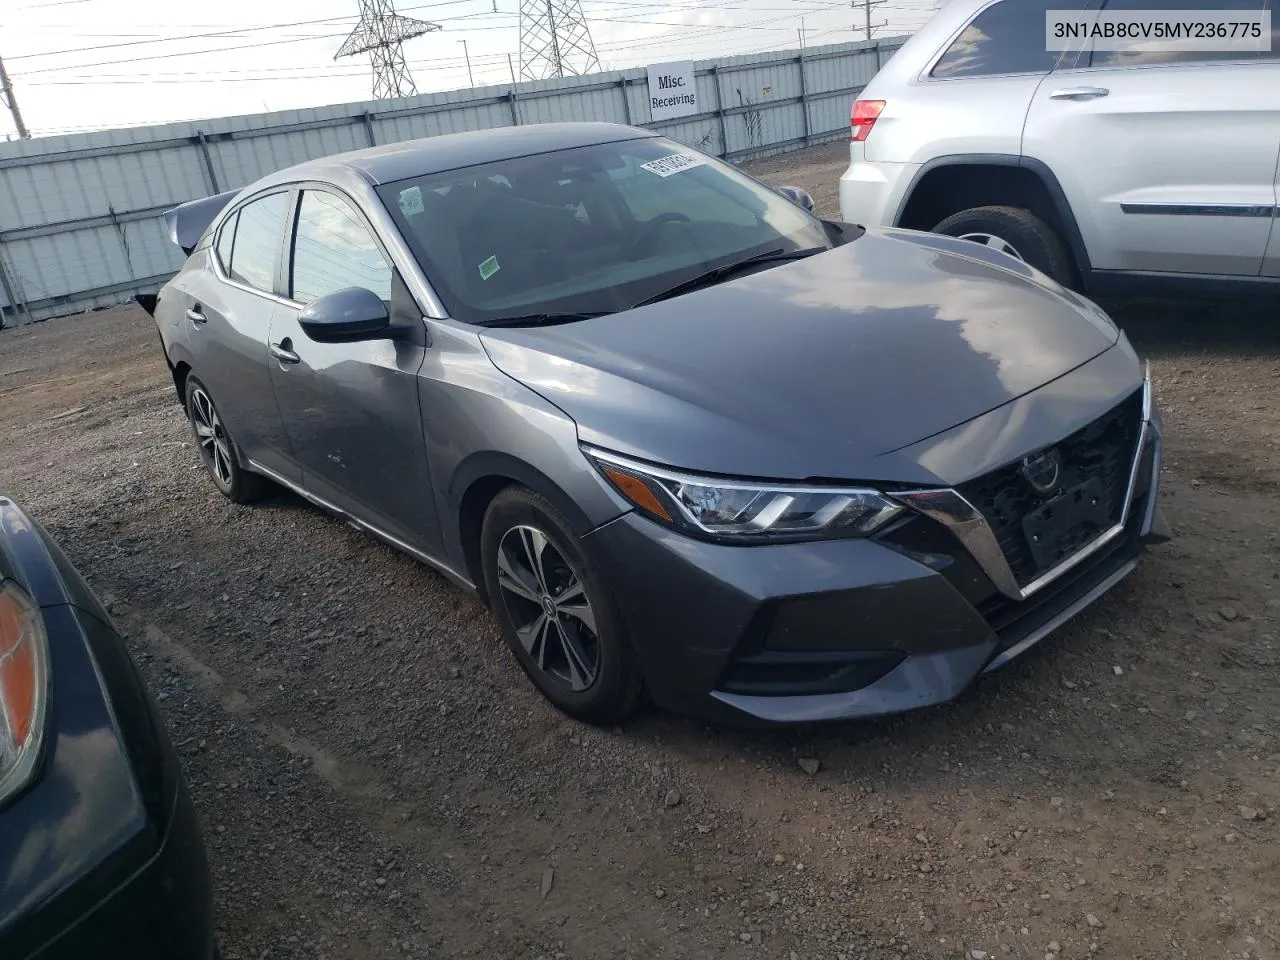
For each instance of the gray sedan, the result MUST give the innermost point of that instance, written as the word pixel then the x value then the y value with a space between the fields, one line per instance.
pixel 680 434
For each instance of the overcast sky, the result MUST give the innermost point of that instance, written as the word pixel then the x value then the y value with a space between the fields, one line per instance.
pixel 90 64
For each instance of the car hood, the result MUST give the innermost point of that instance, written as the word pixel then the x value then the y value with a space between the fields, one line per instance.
pixel 814 369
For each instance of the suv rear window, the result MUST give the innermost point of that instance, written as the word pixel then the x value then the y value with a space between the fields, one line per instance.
pixel 1006 37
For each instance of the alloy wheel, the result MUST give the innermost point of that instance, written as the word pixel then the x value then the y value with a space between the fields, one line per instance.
pixel 548 605
pixel 994 242
pixel 215 447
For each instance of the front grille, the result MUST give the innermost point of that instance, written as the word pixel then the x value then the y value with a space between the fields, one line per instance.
pixel 1095 464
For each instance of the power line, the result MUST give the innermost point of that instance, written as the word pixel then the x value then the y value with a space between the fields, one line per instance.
pixel 232 32
pixel 555 40
pixel 867 5
pixel 381 33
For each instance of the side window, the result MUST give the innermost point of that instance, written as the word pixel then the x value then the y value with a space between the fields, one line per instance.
pixel 1133 58
pixel 259 232
pixel 1274 52
pixel 225 241
pixel 333 249
pixel 1007 37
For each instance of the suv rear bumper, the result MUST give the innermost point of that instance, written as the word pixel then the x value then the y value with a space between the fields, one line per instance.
pixel 872 192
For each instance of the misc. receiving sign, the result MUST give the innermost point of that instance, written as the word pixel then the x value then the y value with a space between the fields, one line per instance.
pixel 673 90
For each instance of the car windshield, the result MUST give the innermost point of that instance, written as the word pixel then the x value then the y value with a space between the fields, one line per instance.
pixel 589 230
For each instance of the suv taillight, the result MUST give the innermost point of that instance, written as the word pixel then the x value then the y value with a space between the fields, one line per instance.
pixel 863 118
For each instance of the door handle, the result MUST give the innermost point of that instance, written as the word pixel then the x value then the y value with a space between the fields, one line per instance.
pixel 282 352
pixel 1079 93
pixel 196 315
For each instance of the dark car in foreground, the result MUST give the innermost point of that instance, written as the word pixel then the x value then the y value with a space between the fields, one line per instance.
pixel 677 431
pixel 100 852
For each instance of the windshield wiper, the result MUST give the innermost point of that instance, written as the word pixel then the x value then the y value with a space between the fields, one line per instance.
pixel 539 319
pixel 717 274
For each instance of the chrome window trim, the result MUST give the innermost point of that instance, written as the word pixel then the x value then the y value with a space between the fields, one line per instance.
pixel 233 212
pixel 384 232
pixel 950 508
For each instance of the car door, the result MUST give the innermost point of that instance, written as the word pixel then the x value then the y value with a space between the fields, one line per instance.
pixel 1167 159
pixel 228 308
pixel 351 410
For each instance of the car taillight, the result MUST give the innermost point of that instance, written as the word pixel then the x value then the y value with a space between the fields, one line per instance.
pixel 863 117
pixel 24 668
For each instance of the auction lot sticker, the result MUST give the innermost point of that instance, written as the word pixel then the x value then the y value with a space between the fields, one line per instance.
pixel 666 166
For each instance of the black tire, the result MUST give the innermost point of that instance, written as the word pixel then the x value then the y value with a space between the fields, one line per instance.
pixel 566 646
pixel 218 452
pixel 1034 241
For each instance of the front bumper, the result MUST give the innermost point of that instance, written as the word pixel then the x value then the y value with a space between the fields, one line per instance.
pixel 844 629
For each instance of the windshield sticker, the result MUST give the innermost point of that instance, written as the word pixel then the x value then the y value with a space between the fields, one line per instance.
pixel 666 166
pixel 411 201
pixel 488 268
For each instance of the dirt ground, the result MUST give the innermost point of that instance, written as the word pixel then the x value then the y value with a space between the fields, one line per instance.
pixel 377 779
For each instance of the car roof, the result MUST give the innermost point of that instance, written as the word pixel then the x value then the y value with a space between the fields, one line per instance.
pixel 416 158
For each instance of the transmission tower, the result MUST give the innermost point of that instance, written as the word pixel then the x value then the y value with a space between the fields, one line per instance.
pixel 555 40
pixel 381 33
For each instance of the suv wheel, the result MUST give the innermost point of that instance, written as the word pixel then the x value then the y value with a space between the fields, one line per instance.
pixel 1014 231
pixel 556 614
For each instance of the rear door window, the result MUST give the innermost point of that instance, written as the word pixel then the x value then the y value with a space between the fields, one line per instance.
pixel 1004 38
pixel 259 234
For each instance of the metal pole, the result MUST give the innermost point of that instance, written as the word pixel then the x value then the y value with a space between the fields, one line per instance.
pixel 724 140
pixel 804 99
pixel 626 101
pixel 470 79
pixel 11 293
pixel 555 40
pixel 511 66
pixel 208 160
pixel 6 88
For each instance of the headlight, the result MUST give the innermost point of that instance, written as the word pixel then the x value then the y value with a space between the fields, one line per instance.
pixel 24 668
pixel 746 512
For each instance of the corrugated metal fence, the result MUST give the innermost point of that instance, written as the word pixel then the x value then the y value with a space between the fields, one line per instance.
pixel 81 221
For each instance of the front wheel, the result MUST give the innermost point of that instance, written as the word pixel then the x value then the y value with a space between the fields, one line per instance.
pixel 1016 232
pixel 555 612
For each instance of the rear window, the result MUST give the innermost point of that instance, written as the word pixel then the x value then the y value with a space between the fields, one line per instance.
pixel 1006 37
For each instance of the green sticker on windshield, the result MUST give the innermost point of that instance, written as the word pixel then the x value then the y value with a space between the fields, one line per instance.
pixel 488 268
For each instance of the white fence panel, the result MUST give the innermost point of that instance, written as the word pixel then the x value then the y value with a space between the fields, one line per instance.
pixel 81 216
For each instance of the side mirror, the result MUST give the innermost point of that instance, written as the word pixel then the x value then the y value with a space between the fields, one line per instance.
pixel 799 196
pixel 345 315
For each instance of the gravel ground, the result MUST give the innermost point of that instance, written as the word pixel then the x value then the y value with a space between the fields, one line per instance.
pixel 377 778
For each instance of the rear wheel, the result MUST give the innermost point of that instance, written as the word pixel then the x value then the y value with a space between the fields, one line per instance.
pixel 218 448
pixel 556 614
pixel 1016 232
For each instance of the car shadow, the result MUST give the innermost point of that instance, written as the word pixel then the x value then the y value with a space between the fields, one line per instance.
pixel 1235 327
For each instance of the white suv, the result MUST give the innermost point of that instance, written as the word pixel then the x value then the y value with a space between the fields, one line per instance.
pixel 1111 172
